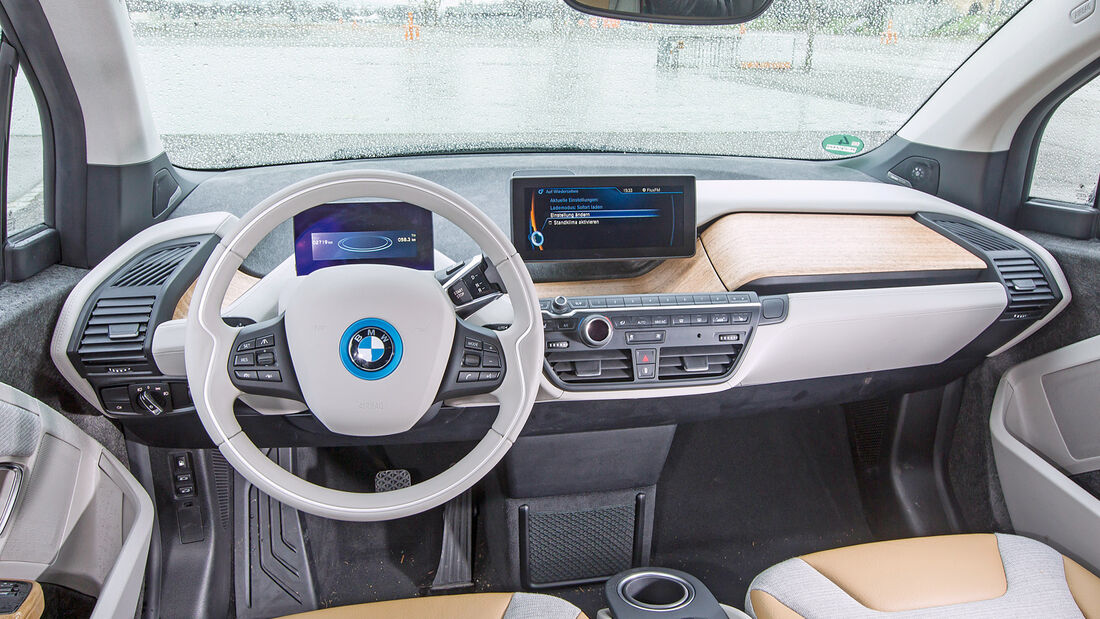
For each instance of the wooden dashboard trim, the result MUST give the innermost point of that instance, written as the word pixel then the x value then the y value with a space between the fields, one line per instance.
pixel 240 284
pixel 741 248
pixel 745 247
pixel 693 274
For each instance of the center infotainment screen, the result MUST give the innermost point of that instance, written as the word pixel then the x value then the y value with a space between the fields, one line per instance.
pixel 394 233
pixel 603 217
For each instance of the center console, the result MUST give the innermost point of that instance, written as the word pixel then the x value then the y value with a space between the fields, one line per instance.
pixel 646 592
pixel 650 340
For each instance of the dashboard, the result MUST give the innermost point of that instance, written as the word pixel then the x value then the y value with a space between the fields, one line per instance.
pixel 680 288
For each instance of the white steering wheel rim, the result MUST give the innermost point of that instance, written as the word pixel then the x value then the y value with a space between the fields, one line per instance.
pixel 209 343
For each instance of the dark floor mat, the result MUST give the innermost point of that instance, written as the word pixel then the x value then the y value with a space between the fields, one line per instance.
pixel 736 497
pixel 739 496
pixel 357 562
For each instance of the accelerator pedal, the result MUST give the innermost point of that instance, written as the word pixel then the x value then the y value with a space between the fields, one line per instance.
pixel 455 569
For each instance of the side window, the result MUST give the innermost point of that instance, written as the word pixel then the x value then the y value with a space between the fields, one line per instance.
pixel 26 168
pixel 1067 165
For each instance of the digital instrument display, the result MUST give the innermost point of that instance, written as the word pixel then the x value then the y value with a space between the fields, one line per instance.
pixel 603 217
pixel 394 233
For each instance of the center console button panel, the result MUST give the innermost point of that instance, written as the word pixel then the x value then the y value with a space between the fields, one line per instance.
pixel 653 340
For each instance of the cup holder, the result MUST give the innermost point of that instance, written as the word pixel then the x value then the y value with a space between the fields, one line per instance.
pixel 656 591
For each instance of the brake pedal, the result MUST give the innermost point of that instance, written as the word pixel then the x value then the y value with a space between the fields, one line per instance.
pixel 455 569
pixel 392 479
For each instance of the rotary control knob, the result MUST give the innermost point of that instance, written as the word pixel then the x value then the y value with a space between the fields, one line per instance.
pixel 153 402
pixel 560 304
pixel 596 331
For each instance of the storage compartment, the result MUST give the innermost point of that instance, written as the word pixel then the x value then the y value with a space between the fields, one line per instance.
pixel 578 508
pixel 570 540
pixel 648 593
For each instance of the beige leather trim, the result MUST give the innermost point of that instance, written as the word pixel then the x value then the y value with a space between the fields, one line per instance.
pixel 465 606
pixel 922 572
pixel 764 606
pixel 1085 588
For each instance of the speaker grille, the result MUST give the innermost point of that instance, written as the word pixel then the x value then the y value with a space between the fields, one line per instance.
pixel 569 547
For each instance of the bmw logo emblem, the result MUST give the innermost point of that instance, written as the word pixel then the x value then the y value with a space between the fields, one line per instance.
pixel 371 348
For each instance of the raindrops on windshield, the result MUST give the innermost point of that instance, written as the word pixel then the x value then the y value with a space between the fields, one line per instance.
pixel 256 82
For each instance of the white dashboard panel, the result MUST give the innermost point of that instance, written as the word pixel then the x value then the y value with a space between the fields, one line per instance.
pixel 856 331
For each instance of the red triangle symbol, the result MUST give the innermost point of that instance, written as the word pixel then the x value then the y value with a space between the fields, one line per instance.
pixel 645 358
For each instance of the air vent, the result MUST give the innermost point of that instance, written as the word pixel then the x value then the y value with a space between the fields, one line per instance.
pixel 1029 292
pixel 115 333
pixel 606 365
pixel 156 268
pixel 980 236
pixel 693 362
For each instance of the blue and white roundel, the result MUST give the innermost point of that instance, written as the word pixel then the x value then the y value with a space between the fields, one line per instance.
pixel 371 348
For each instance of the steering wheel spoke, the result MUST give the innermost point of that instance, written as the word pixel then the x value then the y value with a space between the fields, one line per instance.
pixel 259 361
pixel 476 363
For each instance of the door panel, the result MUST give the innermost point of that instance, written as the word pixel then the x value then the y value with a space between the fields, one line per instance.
pixel 1045 424
pixel 78 518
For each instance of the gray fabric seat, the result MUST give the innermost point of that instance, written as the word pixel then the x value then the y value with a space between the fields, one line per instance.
pixel 970 576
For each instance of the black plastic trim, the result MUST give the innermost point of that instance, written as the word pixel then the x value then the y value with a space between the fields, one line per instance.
pixel 30 252
pixel 461 424
pixel 785 284
pixel 167 296
pixel 662 19
pixel 970 179
pixel 1005 328
pixel 1075 221
pixel 121 202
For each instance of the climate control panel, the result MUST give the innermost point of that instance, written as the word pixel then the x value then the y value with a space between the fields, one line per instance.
pixel 644 341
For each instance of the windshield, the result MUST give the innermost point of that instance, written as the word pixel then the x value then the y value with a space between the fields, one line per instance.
pixel 256 82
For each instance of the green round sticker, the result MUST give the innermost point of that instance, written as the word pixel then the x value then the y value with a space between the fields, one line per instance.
pixel 842 144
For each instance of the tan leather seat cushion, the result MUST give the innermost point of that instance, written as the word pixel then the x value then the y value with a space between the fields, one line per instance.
pixel 916 573
pixel 466 606
pixel 927 572
pixel 1084 586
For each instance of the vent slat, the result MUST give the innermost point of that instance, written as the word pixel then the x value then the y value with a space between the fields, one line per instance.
pixel 697 362
pixel 1037 295
pixel 614 365
pixel 90 340
pixel 98 348
pixel 978 235
pixel 156 268
pixel 125 302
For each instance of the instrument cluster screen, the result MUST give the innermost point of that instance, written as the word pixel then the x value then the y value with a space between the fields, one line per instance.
pixel 603 218
pixel 395 233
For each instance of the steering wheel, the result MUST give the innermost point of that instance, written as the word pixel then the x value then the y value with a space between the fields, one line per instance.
pixel 370 349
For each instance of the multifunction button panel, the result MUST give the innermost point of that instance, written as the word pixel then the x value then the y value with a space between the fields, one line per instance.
pixel 481 361
pixel 642 341
pixel 259 361
pixel 255 359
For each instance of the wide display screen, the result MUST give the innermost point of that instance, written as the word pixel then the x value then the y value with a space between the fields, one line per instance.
pixel 603 218
pixel 394 233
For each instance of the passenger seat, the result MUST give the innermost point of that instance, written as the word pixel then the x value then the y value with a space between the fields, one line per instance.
pixel 970 576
